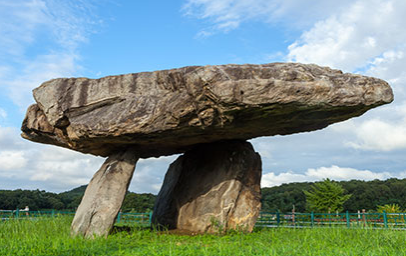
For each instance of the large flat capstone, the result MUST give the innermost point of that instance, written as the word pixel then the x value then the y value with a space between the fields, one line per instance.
pixel 169 111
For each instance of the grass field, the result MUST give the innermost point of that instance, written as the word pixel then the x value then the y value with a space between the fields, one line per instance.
pixel 50 236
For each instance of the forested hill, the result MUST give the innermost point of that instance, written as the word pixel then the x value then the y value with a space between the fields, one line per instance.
pixel 69 200
pixel 365 195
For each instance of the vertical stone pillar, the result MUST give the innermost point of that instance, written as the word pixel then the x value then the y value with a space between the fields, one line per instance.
pixel 104 195
pixel 213 187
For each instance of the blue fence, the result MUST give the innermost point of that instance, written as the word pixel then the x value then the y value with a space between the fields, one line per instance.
pixel 265 219
pixel 22 214
pixel 361 219
pixel 139 218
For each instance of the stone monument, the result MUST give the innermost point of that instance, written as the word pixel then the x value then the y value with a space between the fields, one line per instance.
pixel 205 112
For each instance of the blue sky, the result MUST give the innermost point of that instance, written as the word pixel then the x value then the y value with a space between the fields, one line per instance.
pixel 45 39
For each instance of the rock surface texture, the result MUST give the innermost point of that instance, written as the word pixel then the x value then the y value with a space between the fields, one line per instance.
pixel 169 111
pixel 207 112
pixel 211 188
pixel 104 196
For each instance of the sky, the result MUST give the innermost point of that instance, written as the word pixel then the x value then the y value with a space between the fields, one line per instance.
pixel 46 39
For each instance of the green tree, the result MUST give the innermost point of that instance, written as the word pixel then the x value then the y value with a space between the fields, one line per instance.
pixel 326 196
pixel 389 208
pixel 134 202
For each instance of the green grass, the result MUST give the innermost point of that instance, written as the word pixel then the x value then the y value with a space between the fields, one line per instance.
pixel 50 236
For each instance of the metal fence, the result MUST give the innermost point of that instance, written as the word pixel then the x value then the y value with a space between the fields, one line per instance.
pixel 361 219
pixel 22 214
pixel 265 219
pixel 138 218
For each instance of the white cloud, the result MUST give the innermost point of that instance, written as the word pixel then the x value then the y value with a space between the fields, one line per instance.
pixel 58 168
pixel 149 174
pixel 39 41
pixel 375 134
pixel 353 38
pixel 59 165
pixel 389 65
pixel 271 179
pixel 22 22
pixel 226 15
pixel 334 172
pixel 18 24
pixel 10 139
pixel 382 130
pixel 339 173
pixel 10 160
pixel 3 113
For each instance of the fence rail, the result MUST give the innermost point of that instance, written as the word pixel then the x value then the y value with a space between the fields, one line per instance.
pixel 265 219
pixel 376 220
pixel 138 218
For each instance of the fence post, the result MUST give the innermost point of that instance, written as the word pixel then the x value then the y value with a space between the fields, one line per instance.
pixel 278 218
pixel 396 220
pixel 347 217
pixel 150 218
pixel 312 218
pixel 53 213
pixel 17 213
pixel 119 216
pixel 385 219
pixel 329 218
pixel 403 219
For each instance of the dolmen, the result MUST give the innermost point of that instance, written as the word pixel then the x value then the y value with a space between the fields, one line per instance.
pixel 205 113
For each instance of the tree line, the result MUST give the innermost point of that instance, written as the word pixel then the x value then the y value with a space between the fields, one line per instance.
pixel 70 200
pixel 368 195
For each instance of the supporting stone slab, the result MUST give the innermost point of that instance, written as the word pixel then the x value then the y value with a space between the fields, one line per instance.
pixel 213 187
pixel 104 195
